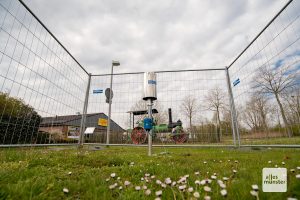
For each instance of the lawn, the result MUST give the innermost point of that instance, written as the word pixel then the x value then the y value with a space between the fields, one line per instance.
pixel 43 173
pixel 247 141
pixel 271 141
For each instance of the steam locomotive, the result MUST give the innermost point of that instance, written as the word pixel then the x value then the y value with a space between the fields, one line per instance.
pixel 173 131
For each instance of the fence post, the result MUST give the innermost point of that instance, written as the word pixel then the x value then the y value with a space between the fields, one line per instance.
pixel 235 129
pixel 83 116
pixel 150 131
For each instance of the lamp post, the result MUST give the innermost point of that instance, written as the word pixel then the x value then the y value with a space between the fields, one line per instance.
pixel 114 63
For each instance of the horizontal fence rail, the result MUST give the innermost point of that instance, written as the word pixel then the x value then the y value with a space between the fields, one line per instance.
pixel 185 70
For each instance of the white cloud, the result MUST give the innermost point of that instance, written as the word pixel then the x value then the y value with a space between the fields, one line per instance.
pixel 154 35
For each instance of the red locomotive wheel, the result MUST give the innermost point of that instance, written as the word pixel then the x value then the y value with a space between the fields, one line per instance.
pixel 180 137
pixel 138 135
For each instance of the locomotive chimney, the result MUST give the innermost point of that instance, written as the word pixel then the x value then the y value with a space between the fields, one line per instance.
pixel 170 116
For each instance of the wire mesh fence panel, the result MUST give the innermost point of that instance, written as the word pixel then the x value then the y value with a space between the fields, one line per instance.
pixel 43 91
pixel 266 83
pixel 42 87
pixel 199 99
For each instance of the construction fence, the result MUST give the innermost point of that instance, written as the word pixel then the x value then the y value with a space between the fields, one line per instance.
pixel 48 98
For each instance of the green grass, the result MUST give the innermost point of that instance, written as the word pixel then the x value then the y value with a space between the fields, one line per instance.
pixel 245 141
pixel 43 173
pixel 270 141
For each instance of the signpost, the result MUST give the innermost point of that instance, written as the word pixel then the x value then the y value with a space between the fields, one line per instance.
pixel 150 95
pixel 107 94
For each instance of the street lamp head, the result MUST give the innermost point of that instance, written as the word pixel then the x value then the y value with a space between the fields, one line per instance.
pixel 115 63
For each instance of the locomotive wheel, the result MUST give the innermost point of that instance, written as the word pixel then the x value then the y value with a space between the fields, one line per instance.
pixel 180 137
pixel 138 135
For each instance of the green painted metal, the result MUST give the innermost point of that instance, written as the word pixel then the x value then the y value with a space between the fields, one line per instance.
pixel 161 128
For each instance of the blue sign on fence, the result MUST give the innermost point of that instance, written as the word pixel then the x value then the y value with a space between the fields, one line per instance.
pixel 98 91
pixel 237 81
pixel 152 82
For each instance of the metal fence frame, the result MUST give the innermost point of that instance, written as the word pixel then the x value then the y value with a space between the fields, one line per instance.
pixel 235 129
pixel 55 41
pixel 229 91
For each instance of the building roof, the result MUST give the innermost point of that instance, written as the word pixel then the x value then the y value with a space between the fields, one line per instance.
pixel 142 112
pixel 59 120
pixel 75 120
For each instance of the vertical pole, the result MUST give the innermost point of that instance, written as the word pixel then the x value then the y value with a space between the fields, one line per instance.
pixel 235 129
pixel 109 106
pixel 150 132
pixel 132 121
pixel 83 116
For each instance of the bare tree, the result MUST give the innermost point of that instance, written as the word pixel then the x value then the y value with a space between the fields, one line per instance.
pixel 250 116
pixel 256 111
pixel 162 116
pixel 292 105
pixel 215 102
pixel 275 113
pixel 189 108
pixel 263 110
pixel 276 81
pixel 226 119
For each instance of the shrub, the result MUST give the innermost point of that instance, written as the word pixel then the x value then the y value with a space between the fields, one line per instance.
pixel 19 122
